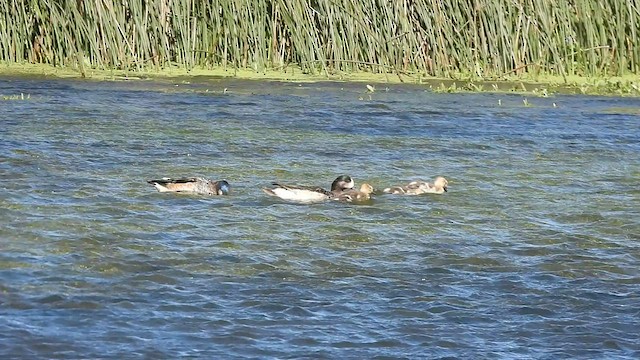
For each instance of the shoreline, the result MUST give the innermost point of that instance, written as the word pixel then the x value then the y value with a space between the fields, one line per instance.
pixel 543 85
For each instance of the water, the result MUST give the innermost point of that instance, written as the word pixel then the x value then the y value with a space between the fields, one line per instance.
pixel 533 252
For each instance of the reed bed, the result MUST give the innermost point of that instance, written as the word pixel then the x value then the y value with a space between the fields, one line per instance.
pixel 447 38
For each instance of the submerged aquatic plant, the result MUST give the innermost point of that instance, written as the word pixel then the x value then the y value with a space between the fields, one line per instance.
pixel 22 96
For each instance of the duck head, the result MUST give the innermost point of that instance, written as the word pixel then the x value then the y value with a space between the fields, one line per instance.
pixel 366 188
pixel 441 182
pixel 221 187
pixel 342 182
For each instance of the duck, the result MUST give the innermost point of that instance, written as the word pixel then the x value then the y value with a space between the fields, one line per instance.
pixel 352 195
pixel 439 186
pixel 310 194
pixel 193 185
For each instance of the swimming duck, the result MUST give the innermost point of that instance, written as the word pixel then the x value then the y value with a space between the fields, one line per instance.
pixel 438 186
pixel 194 185
pixel 310 194
pixel 353 195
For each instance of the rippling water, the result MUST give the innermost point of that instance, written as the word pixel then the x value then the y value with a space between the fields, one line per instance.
pixel 533 252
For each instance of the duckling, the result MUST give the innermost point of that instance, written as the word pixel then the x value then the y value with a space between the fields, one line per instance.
pixel 310 194
pixel 194 185
pixel 439 186
pixel 353 195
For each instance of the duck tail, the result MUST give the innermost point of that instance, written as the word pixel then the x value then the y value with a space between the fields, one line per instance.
pixel 162 181
pixel 269 192
pixel 158 186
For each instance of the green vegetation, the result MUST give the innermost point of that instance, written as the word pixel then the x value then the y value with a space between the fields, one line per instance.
pixel 15 97
pixel 474 40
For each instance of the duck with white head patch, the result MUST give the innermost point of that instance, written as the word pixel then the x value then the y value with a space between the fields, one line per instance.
pixel 310 194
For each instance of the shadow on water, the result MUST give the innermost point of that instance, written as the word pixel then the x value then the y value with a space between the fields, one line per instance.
pixel 532 252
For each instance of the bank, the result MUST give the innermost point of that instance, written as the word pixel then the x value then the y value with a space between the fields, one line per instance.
pixel 543 85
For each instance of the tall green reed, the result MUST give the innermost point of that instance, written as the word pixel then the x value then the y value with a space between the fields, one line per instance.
pixel 478 38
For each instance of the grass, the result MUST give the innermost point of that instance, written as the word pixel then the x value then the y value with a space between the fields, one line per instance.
pixel 436 38
pixel 586 46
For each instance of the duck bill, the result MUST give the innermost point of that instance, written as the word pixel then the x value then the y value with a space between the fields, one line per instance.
pixel 445 189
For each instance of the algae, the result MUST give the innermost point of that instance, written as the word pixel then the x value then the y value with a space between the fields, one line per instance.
pixel 539 85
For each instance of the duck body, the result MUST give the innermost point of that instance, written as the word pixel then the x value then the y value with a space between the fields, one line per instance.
pixel 193 185
pixel 310 194
pixel 353 195
pixel 439 186
pixel 298 193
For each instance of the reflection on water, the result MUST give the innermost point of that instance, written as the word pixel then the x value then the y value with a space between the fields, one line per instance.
pixel 533 252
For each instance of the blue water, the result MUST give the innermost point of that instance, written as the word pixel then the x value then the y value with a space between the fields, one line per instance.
pixel 533 253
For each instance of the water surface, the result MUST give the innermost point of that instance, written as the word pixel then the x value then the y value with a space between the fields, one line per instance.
pixel 533 252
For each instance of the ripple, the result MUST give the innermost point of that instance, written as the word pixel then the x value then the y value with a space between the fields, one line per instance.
pixel 530 254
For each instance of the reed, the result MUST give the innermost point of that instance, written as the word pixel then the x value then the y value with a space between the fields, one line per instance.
pixel 481 39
